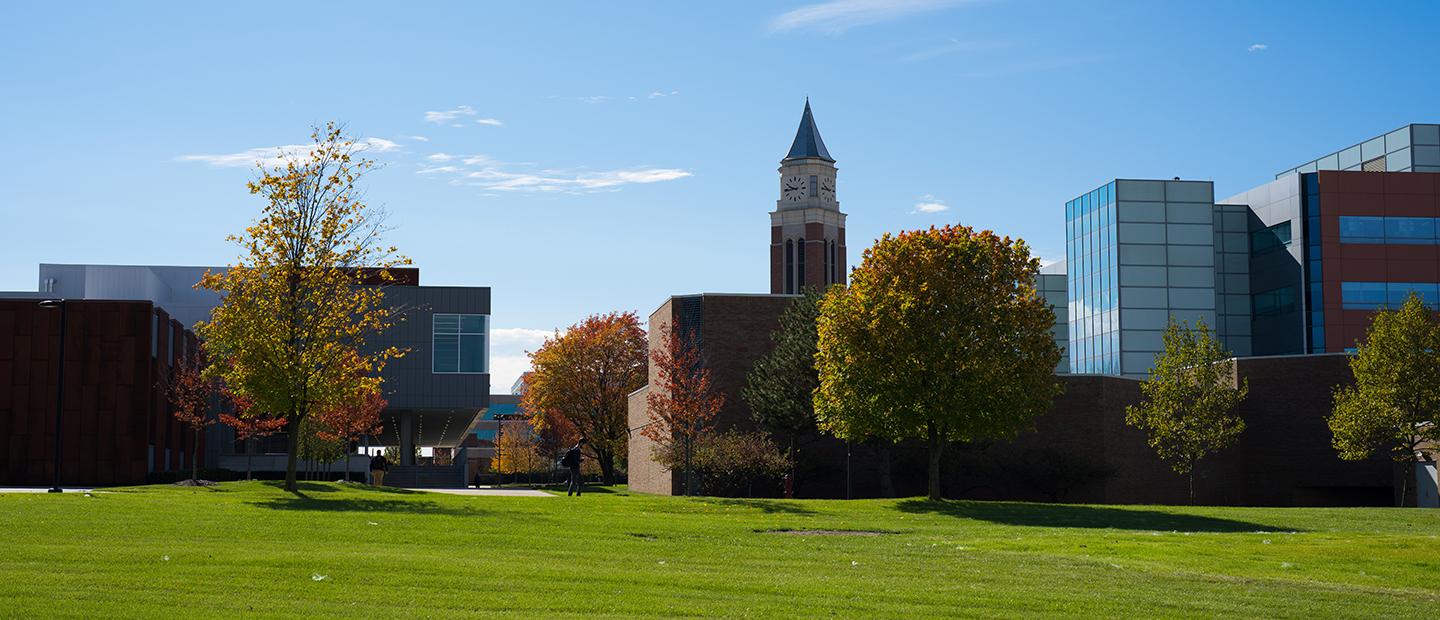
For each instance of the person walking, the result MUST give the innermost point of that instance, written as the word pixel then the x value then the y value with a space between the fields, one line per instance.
pixel 572 462
pixel 378 466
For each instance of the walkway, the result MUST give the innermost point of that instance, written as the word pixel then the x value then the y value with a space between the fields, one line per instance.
pixel 491 492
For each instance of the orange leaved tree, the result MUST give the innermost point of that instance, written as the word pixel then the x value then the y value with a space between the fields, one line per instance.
pixel 581 378
pixel 189 392
pixel 351 419
pixel 682 403
pixel 250 424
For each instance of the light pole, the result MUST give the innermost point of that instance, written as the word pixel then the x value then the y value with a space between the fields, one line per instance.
pixel 59 385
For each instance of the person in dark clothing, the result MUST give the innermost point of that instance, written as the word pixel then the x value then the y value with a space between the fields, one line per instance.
pixel 378 465
pixel 572 462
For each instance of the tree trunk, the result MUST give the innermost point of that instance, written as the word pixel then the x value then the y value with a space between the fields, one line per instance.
pixel 794 462
pixel 1191 476
pixel 194 456
pixel 1407 471
pixel 937 446
pixel 887 476
pixel 606 459
pixel 293 446
pixel 249 456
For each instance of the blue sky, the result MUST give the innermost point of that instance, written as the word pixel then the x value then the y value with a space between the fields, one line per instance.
pixel 583 157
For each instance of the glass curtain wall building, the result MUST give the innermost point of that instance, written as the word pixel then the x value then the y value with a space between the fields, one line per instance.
pixel 1140 252
pixel 1091 270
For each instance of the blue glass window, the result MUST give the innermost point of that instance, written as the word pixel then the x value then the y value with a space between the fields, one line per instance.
pixel 1362 229
pixel 1362 295
pixel 1397 292
pixel 458 343
pixel 1394 230
pixel 1410 230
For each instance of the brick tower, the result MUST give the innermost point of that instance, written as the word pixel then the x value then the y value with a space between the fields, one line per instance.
pixel 807 229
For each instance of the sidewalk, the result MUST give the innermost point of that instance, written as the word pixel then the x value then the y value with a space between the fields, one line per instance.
pixel 492 492
pixel 42 489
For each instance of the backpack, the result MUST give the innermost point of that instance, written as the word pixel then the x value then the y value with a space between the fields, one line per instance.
pixel 572 458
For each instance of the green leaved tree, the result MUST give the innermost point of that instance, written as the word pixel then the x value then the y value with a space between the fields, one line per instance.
pixel 1394 406
pixel 780 387
pixel 941 336
pixel 1190 397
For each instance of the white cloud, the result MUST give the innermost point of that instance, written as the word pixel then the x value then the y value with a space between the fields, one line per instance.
pixel 449 116
pixel 505 369
pixel 273 156
pixel 379 145
pixel 494 175
pixel 440 157
pixel 658 94
pixel 1258 47
pixel 837 16
pixel 520 335
pixel 418 138
pixel 930 204
pixel 488 121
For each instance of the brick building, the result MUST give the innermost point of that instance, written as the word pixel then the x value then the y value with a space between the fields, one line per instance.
pixel 117 427
pixel 1081 450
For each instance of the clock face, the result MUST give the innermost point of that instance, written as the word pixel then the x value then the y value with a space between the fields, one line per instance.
pixel 827 189
pixel 792 188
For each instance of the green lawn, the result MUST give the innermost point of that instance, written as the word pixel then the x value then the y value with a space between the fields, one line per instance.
pixel 250 549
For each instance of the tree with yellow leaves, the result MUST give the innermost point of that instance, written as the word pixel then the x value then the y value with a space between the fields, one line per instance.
pixel 517 451
pixel 291 334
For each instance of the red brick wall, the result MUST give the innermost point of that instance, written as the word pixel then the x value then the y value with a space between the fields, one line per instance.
pixel 1283 458
pixel 108 393
pixel 1415 194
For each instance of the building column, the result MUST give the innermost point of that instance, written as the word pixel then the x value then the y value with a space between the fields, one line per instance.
pixel 407 438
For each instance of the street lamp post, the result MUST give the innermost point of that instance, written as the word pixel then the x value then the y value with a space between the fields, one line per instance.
pixel 59 385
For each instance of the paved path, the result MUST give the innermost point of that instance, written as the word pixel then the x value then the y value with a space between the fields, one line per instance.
pixel 40 490
pixel 491 492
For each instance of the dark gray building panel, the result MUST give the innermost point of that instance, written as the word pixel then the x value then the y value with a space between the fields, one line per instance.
pixel 410 381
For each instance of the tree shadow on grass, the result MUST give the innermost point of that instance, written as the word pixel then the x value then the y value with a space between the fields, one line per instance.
pixel 1096 517
pixel 767 506
pixel 407 506
pixel 301 488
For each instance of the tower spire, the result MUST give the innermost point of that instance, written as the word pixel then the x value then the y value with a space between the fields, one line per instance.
pixel 807 139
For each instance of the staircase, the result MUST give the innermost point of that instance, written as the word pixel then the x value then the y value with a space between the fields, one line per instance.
pixel 426 476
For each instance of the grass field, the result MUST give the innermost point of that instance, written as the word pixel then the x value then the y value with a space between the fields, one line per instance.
pixel 251 549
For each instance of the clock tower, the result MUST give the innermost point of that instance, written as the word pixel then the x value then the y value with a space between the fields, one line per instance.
pixel 807 229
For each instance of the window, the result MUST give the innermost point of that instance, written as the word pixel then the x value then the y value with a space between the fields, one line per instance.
pixel 1375 295
pixel 1270 239
pixel 1392 230
pixel 800 263
pixel 789 266
pixel 828 270
pixel 1374 165
pixel 814 186
pixel 1410 230
pixel 459 343
pixel 1357 229
pixel 1278 301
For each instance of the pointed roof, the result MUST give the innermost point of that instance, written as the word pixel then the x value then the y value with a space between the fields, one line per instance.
pixel 807 139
